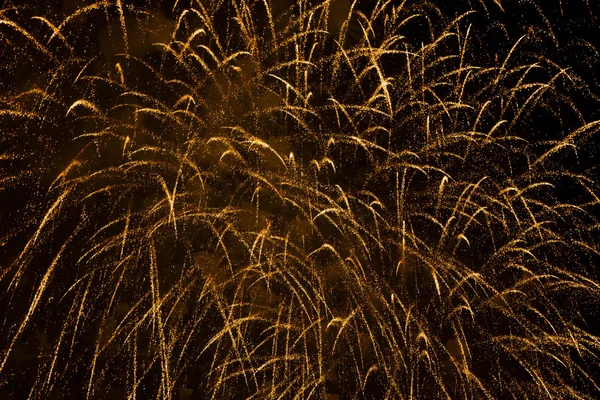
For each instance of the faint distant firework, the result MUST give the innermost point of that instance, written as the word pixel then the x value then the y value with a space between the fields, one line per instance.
pixel 295 199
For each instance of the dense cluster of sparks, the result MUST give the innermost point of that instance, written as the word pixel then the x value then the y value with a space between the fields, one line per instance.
pixel 291 199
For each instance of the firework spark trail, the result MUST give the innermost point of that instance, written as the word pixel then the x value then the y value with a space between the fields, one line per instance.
pixel 294 199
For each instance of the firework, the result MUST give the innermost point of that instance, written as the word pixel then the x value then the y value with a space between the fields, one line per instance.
pixel 295 199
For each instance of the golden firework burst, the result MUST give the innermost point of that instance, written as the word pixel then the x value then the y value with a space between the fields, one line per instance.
pixel 295 199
